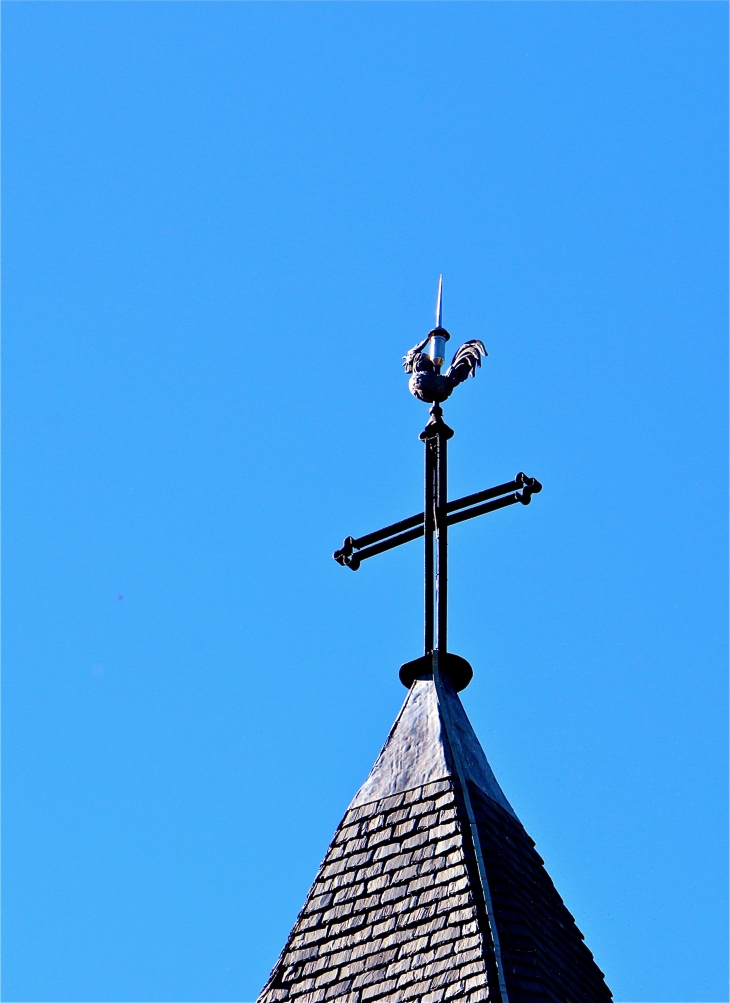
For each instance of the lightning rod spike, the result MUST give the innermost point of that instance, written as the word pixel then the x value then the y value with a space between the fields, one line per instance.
pixel 438 301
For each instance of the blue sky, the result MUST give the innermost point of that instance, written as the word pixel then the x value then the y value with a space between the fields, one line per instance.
pixel 223 226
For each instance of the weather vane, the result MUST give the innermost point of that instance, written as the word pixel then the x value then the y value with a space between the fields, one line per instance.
pixel 430 385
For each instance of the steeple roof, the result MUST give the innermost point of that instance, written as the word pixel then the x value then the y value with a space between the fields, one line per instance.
pixel 431 889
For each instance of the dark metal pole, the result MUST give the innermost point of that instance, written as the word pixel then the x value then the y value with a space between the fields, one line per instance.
pixel 441 542
pixel 428 509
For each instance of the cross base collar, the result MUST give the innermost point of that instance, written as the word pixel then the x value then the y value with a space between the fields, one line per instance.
pixel 456 668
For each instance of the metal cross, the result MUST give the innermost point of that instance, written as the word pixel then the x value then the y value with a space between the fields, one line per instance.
pixel 433 523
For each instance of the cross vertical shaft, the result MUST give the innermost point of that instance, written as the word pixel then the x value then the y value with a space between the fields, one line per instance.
pixel 441 542
pixel 429 503
pixel 435 436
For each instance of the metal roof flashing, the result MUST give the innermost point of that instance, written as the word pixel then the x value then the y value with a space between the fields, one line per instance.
pixel 417 749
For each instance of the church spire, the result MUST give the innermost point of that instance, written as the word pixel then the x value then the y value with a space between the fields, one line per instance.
pixel 397 912
pixel 431 890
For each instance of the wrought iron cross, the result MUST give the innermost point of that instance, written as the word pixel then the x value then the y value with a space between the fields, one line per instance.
pixel 428 384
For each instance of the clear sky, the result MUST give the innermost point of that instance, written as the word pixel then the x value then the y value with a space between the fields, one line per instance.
pixel 223 226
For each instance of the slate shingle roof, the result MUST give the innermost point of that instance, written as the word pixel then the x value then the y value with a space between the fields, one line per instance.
pixel 397 912
pixel 545 956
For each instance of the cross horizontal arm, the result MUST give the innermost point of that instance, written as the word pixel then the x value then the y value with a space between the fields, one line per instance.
pixel 491 506
pixel 380 548
pixel 383 534
pixel 412 528
pixel 480 496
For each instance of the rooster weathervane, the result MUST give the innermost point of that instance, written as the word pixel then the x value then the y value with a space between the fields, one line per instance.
pixel 430 385
pixel 427 382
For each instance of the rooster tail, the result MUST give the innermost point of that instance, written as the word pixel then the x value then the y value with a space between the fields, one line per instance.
pixel 467 360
